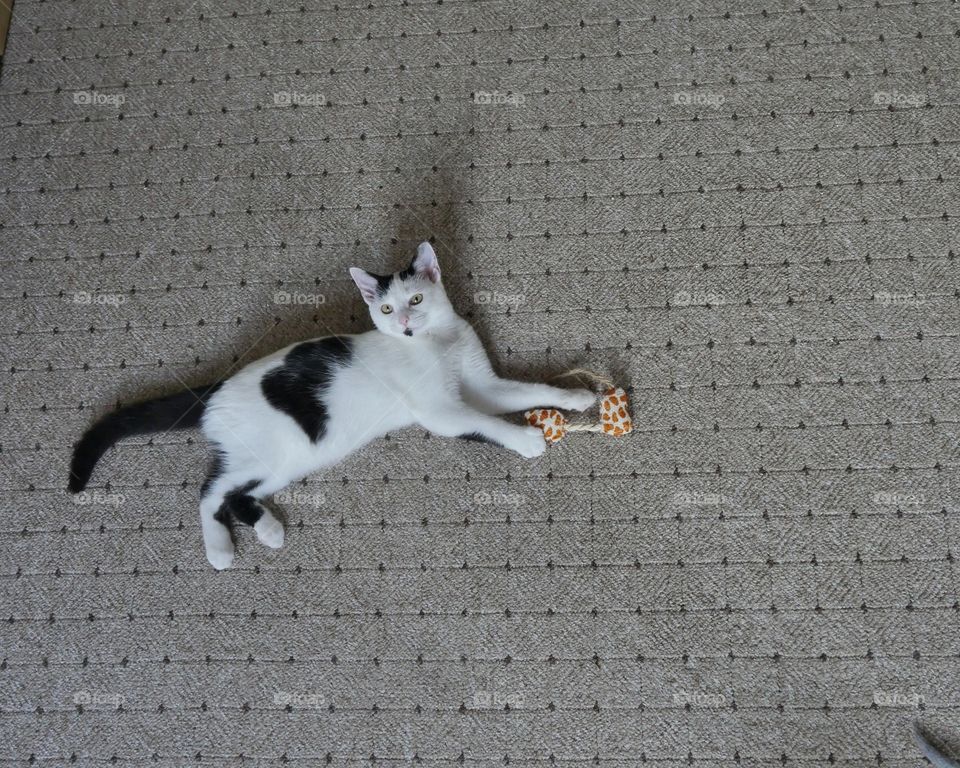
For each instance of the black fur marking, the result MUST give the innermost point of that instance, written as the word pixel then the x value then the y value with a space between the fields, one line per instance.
pixel 247 510
pixel 295 388
pixel 216 469
pixel 178 411
pixel 241 505
pixel 476 437
pixel 383 283
pixel 223 517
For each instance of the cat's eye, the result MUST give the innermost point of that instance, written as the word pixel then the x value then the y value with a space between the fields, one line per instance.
pixel 416 299
pixel 386 309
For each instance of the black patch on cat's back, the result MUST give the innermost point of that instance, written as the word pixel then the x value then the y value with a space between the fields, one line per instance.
pixel 307 370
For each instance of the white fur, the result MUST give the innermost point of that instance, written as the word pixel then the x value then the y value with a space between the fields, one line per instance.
pixel 269 531
pixel 439 378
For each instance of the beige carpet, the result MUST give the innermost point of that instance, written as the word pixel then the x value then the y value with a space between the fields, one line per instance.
pixel 745 211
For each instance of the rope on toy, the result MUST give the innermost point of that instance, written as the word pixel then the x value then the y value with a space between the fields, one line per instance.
pixel 614 414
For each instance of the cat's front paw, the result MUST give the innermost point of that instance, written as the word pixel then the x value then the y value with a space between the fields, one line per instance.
pixel 579 400
pixel 530 443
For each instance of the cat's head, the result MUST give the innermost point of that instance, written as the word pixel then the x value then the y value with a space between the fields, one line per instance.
pixel 408 303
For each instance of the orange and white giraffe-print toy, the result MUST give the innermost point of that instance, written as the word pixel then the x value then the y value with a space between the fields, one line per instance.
pixel 614 418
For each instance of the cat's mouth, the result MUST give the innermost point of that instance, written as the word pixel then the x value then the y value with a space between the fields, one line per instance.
pixel 407 332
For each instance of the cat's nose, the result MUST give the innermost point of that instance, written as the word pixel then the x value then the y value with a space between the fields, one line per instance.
pixel 404 320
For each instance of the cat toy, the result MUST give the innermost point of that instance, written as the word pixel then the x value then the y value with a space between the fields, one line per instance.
pixel 614 414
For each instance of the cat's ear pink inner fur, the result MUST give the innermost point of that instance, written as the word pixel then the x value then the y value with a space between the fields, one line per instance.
pixel 426 263
pixel 366 282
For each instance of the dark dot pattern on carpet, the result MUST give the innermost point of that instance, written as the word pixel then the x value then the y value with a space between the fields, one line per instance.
pixel 744 213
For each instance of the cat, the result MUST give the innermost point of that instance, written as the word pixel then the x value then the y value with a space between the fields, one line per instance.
pixel 311 404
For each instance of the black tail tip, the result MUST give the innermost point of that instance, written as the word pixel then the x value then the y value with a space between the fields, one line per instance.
pixel 86 453
pixel 76 484
pixel 80 470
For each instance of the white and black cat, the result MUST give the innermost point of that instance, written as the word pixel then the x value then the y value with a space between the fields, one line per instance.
pixel 311 404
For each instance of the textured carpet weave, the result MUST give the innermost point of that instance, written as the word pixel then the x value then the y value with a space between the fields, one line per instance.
pixel 744 211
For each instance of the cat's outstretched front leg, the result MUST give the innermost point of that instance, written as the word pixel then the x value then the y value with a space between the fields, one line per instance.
pixel 495 395
pixel 461 420
pixel 487 392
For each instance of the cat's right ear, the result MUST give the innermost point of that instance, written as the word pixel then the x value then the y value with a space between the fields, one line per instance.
pixel 425 263
pixel 366 282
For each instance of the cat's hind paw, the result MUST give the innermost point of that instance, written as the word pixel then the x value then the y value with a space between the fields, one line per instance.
pixel 218 544
pixel 269 531
pixel 530 443
pixel 220 556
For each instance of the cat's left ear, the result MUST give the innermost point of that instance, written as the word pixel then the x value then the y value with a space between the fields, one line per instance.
pixel 425 263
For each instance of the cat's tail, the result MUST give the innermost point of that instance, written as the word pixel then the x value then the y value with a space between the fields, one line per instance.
pixel 178 411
